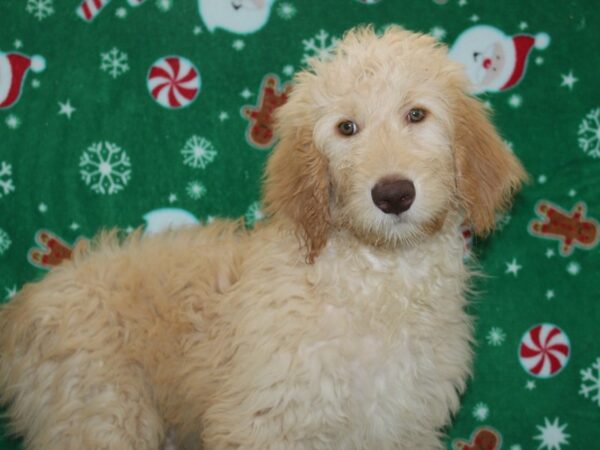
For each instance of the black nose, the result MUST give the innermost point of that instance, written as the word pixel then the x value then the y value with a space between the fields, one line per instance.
pixel 393 195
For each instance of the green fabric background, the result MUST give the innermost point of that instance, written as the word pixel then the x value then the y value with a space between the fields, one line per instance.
pixel 543 124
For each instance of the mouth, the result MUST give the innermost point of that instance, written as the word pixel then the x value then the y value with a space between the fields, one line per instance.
pixel 397 222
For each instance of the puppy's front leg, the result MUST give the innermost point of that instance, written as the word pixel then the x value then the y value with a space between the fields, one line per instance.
pixel 273 406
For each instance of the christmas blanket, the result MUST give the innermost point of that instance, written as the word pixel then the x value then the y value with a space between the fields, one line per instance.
pixel 129 113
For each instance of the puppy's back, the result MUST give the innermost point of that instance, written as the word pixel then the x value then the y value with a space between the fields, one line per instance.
pixel 93 333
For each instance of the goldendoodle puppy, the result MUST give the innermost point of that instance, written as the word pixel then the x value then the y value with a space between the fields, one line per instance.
pixel 338 323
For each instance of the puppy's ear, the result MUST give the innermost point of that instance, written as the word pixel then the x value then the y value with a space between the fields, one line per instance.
pixel 297 186
pixel 488 173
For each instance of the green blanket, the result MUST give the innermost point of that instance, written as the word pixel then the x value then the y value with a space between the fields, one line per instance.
pixel 125 113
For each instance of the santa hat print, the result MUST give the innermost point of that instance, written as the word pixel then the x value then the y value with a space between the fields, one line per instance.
pixel 13 69
pixel 517 53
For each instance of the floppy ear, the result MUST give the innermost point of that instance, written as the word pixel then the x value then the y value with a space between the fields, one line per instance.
pixel 297 186
pixel 488 173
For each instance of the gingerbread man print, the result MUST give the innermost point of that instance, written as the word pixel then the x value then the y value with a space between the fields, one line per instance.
pixel 571 229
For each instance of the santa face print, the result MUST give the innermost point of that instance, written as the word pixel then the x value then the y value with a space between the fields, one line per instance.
pixel 488 65
pixel 235 16
pixel 493 60
pixel 247 4
pixel 14 68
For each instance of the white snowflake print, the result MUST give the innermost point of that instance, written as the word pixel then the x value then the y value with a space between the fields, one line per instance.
pixel 253 214
pixel 121 13
pixel 40 9
pixel 438 32
pixel 198 152
pixel 105 168
pixel 6 182
pixel 516 447
pixel 495 336
pixel 573 268
pixel 4 241
pixel 590 382
pixel 13 122
pixel 288 70
pixel 35 83
pixel 589 134
pixel 114 62
pixel 195 190
pixel 321 46
pixel 515 101
pixel 481 411
pixel 286 10
pixel 568 80
pixel 246 93
pixel 238 45
pixel 164 5
pixel 502 220
pixel 10 292
pixel 530 385
pixel 552 435
pixel 66 108
pixel 513 267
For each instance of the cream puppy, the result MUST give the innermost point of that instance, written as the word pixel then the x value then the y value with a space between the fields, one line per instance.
pixel 336 324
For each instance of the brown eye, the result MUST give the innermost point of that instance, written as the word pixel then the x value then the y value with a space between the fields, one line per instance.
pixel 416 115
pixel 348 128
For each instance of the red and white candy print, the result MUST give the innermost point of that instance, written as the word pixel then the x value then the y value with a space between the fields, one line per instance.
pixel 89 9
pixel 173 82
pixel 544 350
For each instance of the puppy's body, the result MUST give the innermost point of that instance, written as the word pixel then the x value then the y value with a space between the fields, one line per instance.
pixel 197 330
pixel 356 340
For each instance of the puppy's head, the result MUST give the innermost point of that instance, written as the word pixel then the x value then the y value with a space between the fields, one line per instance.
pixel 384 140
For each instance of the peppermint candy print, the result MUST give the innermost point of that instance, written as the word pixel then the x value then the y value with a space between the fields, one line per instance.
pixel 544 350
pixel 88 10
pixel 174 82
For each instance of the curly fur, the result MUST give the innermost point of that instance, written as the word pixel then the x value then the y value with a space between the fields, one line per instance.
pixel 355 339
